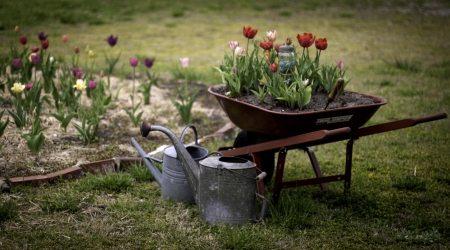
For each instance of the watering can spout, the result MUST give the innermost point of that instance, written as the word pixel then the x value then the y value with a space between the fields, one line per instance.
pixel 188 164
pixel 155 172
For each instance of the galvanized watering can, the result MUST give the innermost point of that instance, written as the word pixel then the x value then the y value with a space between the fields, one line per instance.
pixel 224 188
pixel 173 182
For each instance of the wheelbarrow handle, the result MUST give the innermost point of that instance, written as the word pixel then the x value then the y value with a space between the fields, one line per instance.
pixel 385 127
pixel 429 118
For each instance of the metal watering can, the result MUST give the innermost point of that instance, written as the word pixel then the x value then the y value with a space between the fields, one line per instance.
pixel 224 188
pixel 173 182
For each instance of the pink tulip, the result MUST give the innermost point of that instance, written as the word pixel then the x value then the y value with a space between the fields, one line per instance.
pixel 340 64
pixel 233 45
pixel 184 62
pixel 64 38
pixel 134 62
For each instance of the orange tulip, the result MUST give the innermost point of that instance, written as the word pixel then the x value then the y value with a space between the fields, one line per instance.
pixel 274 67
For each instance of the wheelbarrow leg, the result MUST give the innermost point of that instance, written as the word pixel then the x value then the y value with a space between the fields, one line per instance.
pixel 348 165
pixel 279 175
pixel 315 165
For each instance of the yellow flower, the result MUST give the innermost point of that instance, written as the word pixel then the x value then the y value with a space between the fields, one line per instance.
pixel 18 88
pixel 91 53
pixel 80 85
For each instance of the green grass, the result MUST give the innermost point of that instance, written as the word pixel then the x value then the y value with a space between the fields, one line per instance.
pixel 400 192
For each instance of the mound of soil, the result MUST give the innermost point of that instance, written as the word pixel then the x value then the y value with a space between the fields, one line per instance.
pixel 318 101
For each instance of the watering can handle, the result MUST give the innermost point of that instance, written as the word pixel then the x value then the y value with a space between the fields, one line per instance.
pixel 214 152
pixel 184 132
pixel 154 159
pixel 263 208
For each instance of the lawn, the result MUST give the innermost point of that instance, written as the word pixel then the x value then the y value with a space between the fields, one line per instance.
pixel 400 194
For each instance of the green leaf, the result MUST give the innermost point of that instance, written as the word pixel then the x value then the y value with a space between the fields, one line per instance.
pixel 67 119
pixel 3 124
pixel 18 120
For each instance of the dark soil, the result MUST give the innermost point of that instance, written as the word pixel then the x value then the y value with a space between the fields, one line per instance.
pixel 318 101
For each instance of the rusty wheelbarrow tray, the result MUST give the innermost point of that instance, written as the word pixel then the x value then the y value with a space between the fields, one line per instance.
pixel 304 141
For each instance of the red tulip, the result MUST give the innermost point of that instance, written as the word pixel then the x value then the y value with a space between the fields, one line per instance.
pixel 23 40
pixel 77 49
pixel 266 45
pixel 306 40
pixel 28 86
pixel 45 44
pixel 274 67
pixel 321 44
pixel 249 32
pixel 35 49
pixel 277 47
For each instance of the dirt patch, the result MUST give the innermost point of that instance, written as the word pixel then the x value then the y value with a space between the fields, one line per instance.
pixel 64 149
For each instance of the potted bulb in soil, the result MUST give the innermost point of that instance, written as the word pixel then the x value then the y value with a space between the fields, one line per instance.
pixel 282 91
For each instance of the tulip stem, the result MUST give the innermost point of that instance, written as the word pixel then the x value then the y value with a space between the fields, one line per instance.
pixel 132 99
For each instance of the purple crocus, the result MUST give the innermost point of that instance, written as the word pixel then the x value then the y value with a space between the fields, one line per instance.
pixel 42 36
pixel 134 62
pixel 92 85
pixel 35 58
pixel 17 63
pixel 149 62
pixel 112 40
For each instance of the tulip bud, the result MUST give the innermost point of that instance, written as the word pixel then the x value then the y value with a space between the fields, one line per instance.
pixel 64 38
pixel 17 63
pixel 35 49
pixel 74 71
pixel 184 62
pixel 134 62
pixel 340 64
pixel 16 29
pixel 274 67
pixel 28 86
pixel 45 44
pixel 79 74
pixel 240 51
pixel 233 45
pixel 77 50
pixel 35 58
pixel 92 85
pixel 23 40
